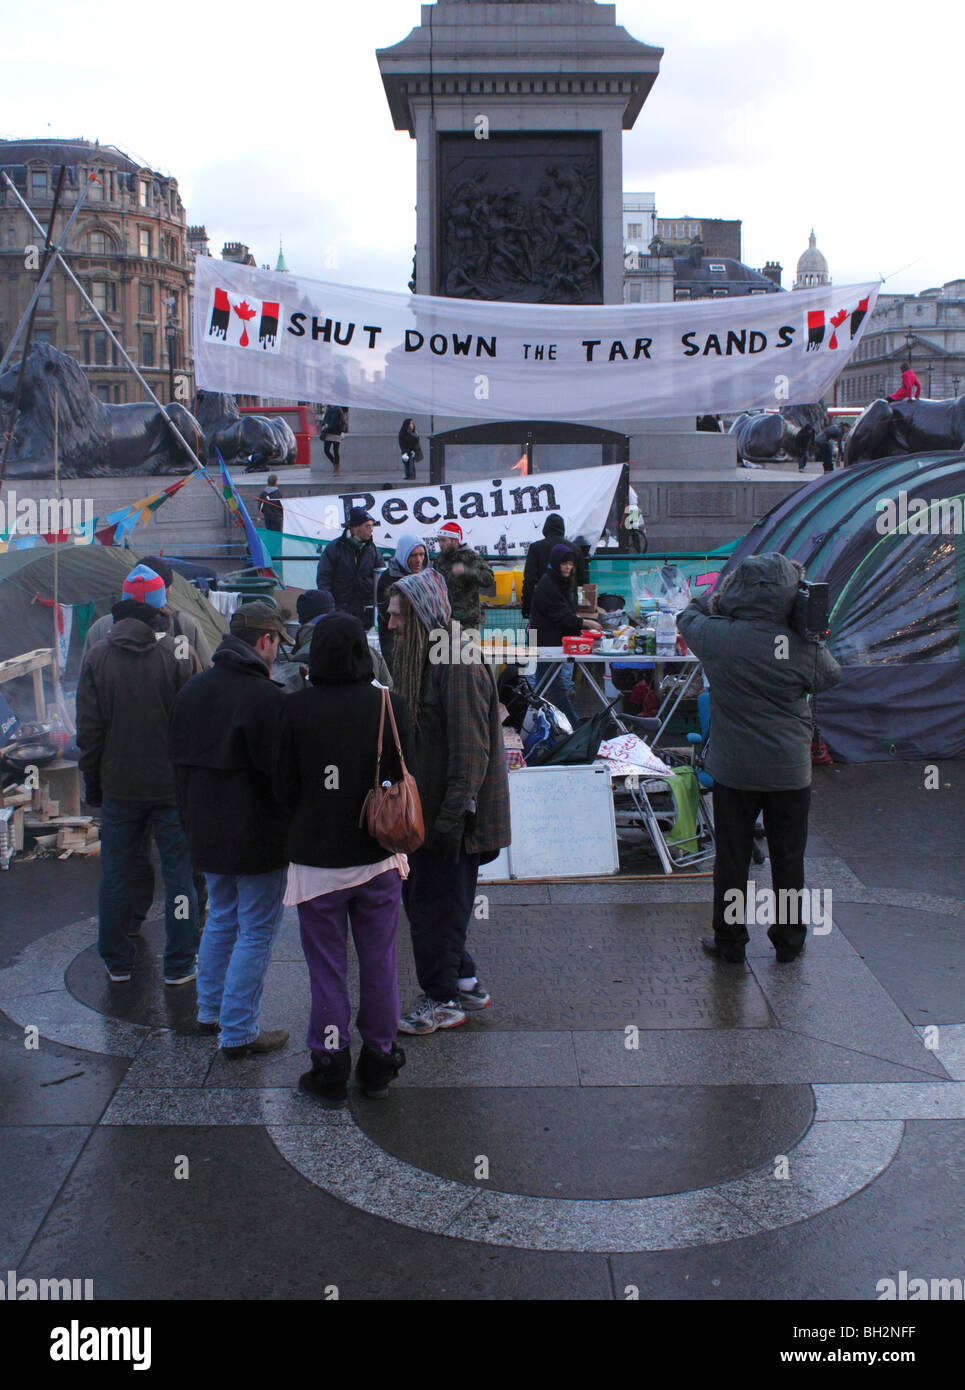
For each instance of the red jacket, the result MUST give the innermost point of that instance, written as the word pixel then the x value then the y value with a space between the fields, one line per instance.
pixel 910 386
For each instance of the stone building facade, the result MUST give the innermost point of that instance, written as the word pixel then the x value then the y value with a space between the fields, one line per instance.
pixel 128 248
pixel 926 329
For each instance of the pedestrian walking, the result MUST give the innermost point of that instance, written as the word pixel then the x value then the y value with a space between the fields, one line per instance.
pixel 410 557
pixel 347 568
pixel 127 689
pixel 339 876
pixel 759 752
pixel 461 775
pixel 465 572
pixel 224 735
pixel 334 425
pixel 410 448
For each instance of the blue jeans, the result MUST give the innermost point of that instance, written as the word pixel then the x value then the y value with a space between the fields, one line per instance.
pixel 244 914
pixel 123 824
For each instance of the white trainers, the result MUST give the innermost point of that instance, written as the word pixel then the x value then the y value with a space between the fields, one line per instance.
pixel 430 1015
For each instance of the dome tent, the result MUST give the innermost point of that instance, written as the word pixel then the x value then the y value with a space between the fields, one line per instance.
pixel 897 601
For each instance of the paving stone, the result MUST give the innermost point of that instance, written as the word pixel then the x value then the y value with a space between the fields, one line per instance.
pixel 883 871
pixel 167 1060
pixel 950 1049
pixel 144 1000
pixel 756 1056
pixel 590 1143
pixel 60 1018
pixel 659 1223
pixel 36 894
pixel 35 1160
pixel 887 938
pixel 910 1217
pixel 831 1163
pixel 53 1085
pixel 43 964
pixel 217 1106
pixel 939 1100
pixel 564 968
pixel 290 1240
pixel 841 1002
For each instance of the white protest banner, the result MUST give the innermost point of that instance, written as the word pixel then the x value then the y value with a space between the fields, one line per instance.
pixel 500 516
pixel 270 334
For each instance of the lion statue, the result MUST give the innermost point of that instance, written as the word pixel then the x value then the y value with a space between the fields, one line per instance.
pixel 261 441
pixel 890 428
pixel 93 439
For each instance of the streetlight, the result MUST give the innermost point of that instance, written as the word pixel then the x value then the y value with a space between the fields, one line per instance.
pixel 956 383
pixel 170 332
pixel 929 380
pixel 909 339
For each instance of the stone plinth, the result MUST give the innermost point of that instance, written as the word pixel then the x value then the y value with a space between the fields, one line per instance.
pixel 551 86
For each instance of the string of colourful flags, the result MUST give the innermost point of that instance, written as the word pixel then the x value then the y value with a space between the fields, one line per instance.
pixel 115 528
pixel 112 529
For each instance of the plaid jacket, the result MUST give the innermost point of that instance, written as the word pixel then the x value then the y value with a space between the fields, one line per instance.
pixel 459 756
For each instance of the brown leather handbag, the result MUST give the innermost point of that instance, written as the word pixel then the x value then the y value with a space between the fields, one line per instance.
pixel 392 814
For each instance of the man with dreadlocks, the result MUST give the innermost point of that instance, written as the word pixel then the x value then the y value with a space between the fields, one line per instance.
pixel 461 774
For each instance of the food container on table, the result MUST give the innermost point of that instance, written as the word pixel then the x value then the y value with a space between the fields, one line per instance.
pixel 578 646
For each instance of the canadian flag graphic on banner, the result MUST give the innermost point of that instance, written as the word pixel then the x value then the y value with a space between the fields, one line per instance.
pixel 817 326
pixel 240 322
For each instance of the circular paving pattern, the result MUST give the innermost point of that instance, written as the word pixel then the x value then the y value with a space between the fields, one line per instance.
pixel 855 1133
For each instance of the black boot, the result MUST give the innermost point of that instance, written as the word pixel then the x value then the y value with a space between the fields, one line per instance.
pixel 328 1078
pixel 375 1070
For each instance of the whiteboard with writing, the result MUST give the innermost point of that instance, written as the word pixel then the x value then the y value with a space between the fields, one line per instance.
pixel 563 824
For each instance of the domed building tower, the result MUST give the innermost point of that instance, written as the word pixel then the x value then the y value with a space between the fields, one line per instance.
pixel 812 268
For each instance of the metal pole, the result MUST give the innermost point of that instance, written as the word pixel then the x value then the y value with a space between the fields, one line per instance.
pixel 29 311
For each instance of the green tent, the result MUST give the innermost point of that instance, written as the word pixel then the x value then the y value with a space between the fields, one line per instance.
pixel 90 579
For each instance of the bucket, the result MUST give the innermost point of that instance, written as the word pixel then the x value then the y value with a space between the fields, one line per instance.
pixel 504 588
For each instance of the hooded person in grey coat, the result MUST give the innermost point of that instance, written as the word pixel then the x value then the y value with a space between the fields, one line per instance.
pixel 760 674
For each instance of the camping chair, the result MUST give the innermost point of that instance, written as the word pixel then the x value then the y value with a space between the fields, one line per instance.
pixel 670 809
pixel 698 751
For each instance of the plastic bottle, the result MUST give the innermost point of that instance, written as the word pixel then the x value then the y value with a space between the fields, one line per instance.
pixel 666 629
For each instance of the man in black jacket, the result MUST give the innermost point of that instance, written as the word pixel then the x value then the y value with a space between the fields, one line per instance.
pixel 128 686
pixel 224 736
pixel 347 568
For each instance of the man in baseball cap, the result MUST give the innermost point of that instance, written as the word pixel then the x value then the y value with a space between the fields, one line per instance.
pixel 465 572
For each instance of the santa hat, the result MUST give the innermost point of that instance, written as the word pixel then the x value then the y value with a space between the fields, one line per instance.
pixel 451 530
pixel 144 586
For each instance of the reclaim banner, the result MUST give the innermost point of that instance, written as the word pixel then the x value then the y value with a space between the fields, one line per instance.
pixel 262 333
pixel 500 516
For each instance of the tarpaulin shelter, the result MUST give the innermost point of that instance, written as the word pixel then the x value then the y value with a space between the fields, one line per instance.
pixel 89 579
pixel 887 538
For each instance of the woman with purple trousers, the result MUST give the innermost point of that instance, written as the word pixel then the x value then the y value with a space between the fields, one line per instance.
pixel 338 874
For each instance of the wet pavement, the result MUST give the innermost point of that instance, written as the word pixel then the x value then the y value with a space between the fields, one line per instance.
pixel 628 1119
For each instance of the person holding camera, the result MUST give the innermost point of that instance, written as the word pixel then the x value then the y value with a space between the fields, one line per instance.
pixel 761 672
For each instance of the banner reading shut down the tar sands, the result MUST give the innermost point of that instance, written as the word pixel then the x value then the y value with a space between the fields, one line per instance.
pixel 270 334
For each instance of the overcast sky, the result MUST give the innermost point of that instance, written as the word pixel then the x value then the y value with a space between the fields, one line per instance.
pixel 836 113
